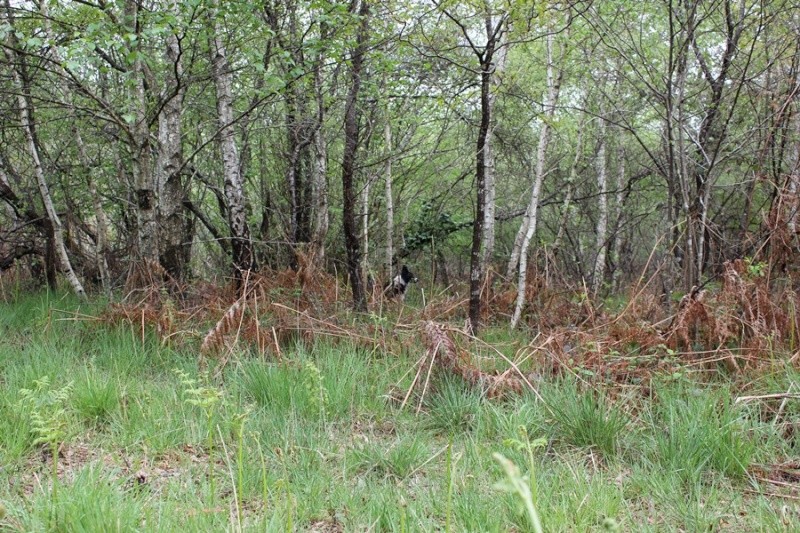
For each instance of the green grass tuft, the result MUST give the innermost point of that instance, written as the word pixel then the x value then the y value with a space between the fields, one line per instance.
pixel 453 407
pixel 587 419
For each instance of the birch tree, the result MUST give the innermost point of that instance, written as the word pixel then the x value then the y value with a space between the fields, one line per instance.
pixel 241 244
pixel 27 124
pixel 351 137
pixel 388 194
pixel 491 187
pixel 140 146
pixel 485 53
pixel 527 229
pixel 175 236
pixel 601 168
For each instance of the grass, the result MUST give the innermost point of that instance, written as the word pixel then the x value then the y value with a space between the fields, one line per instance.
pixel 313 444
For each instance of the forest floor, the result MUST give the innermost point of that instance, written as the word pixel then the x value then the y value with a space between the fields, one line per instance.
pixel 339 434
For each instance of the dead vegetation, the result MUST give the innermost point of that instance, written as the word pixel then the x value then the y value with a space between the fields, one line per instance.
pixel 736 323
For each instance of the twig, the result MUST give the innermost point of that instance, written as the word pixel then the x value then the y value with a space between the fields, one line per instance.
pixel 772 494
pixel 783 405
pixel 513 365
pixel 779 483
pixel 428 460
pixel 428 377
pixel 421 363
pixel 780 395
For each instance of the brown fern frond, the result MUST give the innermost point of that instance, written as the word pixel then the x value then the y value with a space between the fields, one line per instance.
pixel 229 321
pixel 442 349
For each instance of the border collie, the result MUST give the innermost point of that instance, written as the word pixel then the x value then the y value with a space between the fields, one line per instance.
pixel 397 287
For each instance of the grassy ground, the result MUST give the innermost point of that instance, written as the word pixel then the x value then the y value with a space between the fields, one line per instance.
pixel 148 442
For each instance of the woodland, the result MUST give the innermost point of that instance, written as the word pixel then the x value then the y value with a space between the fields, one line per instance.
pixel 599 199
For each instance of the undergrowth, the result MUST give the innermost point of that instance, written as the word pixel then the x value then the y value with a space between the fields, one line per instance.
pixel 334 433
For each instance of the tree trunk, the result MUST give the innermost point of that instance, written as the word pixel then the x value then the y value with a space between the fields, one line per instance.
pixel 602 208
pixel 794 189
pixel 141 156
pixel 476 263
pixel 26 117
pixel 489 210
pixel 319 194
pixel 241 244
pixel 553 89
pixel 571 180
pixel 351 133
pixel 528 226
pixel 387 176
pixel 175 237
pixel 616 254
pixel 101 242
pixel 365 190
pixel 319 169
pixel 292 170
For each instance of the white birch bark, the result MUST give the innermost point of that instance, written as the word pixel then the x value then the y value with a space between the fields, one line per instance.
pixel 573 176
pixel 319 193
pixel 529 219
pixel 172 223
pixel 101 243
pixel 528 227
pixel 9 210
pixel 365 225
pixel 678 124
pixel 141 156
pixel 319 186
pixel 491 188
pixel 241 245
pixel 101 225
pixel 602 207
pixel 26 122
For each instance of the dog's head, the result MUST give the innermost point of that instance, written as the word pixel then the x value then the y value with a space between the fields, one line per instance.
pixel 407 275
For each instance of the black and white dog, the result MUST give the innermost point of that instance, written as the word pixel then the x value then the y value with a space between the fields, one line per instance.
pixel 397 287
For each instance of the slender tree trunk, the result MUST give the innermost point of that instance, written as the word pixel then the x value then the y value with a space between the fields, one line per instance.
pixel 529 219
pixel 144 184
pixel 319 193
pixel 528 226
pixel 689 274
pixel 489 210
pixel 476 263
pixel 26 116
pixel 101 245
pixel 365 225
pixel 675 53
pixel 387 176
pixel 713 128
pixel 319 168
pixel 241 244
pixel 794 189
pixel 101 242
pixel 571 180
pixel 351 133
pixel 602 208
pixel 292 167
pixel 175 237
pixel 616 254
